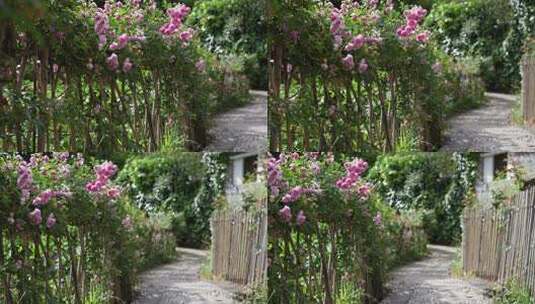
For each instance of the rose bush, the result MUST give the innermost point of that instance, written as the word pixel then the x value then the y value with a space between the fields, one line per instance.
pixel 354 76
pixel 328 232
pixel 119 77
pixel 66 232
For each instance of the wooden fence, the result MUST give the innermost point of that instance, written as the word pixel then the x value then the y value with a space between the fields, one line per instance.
pixel 500 244
pixel 528 90
pixel 239 246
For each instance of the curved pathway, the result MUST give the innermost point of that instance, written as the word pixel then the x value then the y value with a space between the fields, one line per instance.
pixel 488 129
pixel 428 282
pixel 180 283
pixel 243 129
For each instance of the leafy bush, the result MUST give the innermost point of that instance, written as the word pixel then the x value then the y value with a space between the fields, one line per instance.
pixel 235 27
pixel 406 239
pixel 179 184
pixel 493 31
pixel 436 183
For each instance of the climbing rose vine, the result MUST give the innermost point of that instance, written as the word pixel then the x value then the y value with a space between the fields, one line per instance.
pixel 55 212
pixel 321 216
pixel 356 75
pixel 294 180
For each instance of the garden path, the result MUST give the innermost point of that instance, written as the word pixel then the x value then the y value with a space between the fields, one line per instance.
pixel 243 129
pixel 428 282
pixel 180 283
pixel 488 129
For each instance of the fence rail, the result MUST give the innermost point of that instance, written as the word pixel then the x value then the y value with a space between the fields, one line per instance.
pixel 500 244
pixel 239 246
pixel 528 90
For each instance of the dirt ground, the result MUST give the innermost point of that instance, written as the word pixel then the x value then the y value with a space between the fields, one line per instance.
pixel 488 129
pixel 428 282
pixel 180 283
pixel 243 129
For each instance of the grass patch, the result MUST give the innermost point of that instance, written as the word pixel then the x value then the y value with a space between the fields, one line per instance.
pixel 206 268
pixel 456 267
pixel 513 293
pixel 258 295
pixel 517 118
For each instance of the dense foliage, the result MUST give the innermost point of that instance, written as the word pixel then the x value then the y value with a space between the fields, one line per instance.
pixel 331 239
pixel 184 185
pixel 436 184
pixel 491 33
pixel 236 28
pixel 123 77
pixel 68 235
pixel 364 75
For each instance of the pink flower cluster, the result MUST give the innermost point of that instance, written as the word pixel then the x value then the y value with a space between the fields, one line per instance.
pixel 354 170
pixel 127 223
pixel 200 65
pixel 44 197
pixel 51 221
pixel 286 215
pixel 113 63
pixel 356 43
pixel 121 43
pixel 176 16
pixel 349 64
pixel 102 26
pixel 36 218
pixel 100 184
pixel 378 219
pixel 127 65
pixel 293 195
pixel 338 27
pixel 339 31
pixel 413 17
pixel 274 179
pixel 24 181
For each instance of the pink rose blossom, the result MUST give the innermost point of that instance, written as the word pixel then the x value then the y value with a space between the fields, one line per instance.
pixel 378 219
pixel 43 198
pixel 127 65
pixel 423 37
pixel 186 35
pixel 301 218
pixel 51 221
pixel 127 223
pixel 123 40
pixel 113 62
pixel 285 214
pixel 114 192
pixel 35 217
pixel 348 62
pixel 200 65
pixel 363 66
pixel 293 195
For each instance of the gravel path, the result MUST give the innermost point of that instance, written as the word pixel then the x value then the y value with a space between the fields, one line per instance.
pixel 488 129
pixel 243 129
pixel 428 282
pixel 179 283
